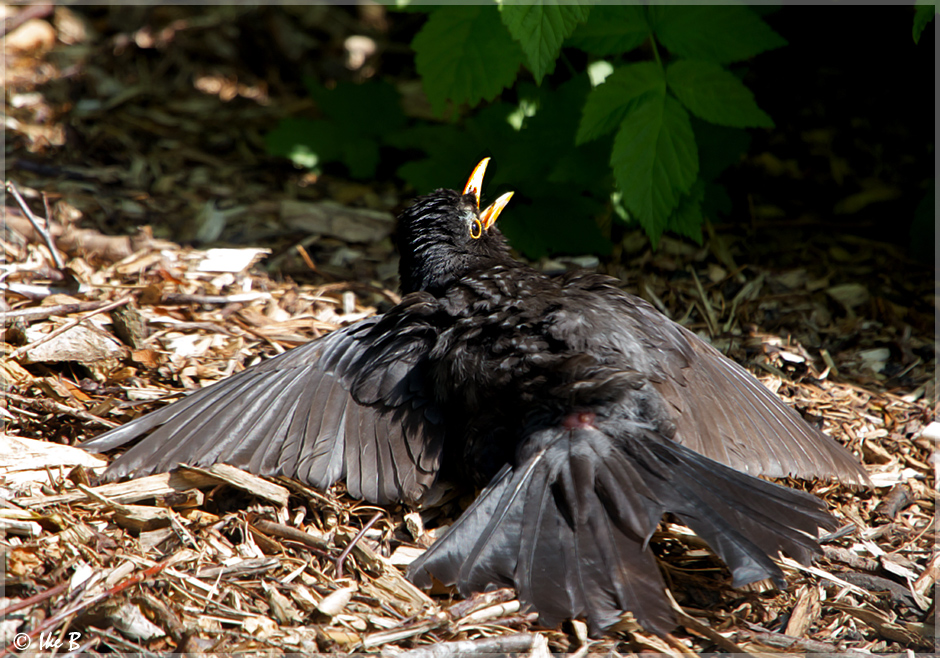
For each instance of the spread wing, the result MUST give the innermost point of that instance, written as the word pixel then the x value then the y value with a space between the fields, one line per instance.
pixel 721 411
pixel 569 526
pixel 351 405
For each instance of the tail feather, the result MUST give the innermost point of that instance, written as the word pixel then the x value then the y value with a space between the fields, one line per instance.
pixel 745 520
pixel 543 528
pixel 569 526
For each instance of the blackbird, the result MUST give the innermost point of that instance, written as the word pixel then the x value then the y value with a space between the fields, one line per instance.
pixel 584 414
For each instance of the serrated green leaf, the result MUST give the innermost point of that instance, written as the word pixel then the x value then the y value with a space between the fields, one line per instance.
pixel 714 94
pixel 586 167
pixel 464 54
pixel 305 142
pixel 687 219
pixel 716 33
pixel 453 150
pixel 655 161
pixel 310 144
pixel 361 156
pixel 610 102
pixel 719 147
pixel 612 30
pixel 554 224
pixel 549 132
pixel 923 14
pixel 371 108
pixel 449 150
pixel 540 28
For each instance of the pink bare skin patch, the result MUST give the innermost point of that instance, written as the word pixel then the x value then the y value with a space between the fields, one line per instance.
pixel 580 420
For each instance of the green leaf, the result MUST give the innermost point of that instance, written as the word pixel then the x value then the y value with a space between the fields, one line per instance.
pixel 719 147
pixel 465 54
pixel 688 218
pixel 549 132
pixel 923 14
pixel 541 27
pixel 717 33
pixel 361 156
pixel 372 108
pixel 307 143
pixel 715 95
pixel 311 143
pixel 612 30
pixel 452 150
pixel 610 102
pixel 655 161
pixel 449 150
pixel 554 224
pixel 359 116
pixel 586 167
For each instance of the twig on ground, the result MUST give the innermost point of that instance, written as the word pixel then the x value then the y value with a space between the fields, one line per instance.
pixel 293 534
pixel 35 313
pixel 33 600
pixel 802 645
pixel 68 325
pixel 57 407
pixel 359 535
pixel 506 644
pixel 42 228
pixel 57 619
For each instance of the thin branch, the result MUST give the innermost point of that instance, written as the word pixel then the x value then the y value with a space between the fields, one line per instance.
pixel 359 535
pixel 68 325
pixel 59 408
pixel 42 229
pixel 44 312
pixel 57 619
pixel 33 600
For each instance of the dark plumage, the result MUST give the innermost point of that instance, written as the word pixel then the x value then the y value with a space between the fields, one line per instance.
pixel 586 414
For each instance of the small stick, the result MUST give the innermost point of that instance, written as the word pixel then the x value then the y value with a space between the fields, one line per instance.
pixel 517 643
pixel 180 298
pixel 359 535
pixel 68 325
pixel 41 230
pixel 710 318
pixel 34 313
pixel 59 408
pixel 55 620
pixel 37 598
pixel 286 532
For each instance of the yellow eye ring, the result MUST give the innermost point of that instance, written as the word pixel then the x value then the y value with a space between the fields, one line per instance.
pixel 478 225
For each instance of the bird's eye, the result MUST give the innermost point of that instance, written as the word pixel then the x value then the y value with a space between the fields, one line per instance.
pixel 476 229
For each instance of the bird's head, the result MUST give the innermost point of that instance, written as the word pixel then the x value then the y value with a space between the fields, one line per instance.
pixel 445 234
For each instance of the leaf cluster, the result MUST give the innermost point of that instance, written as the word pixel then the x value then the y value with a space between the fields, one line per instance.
pixel 641 116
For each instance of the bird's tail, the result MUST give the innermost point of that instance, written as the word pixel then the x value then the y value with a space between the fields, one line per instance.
pixel 569 527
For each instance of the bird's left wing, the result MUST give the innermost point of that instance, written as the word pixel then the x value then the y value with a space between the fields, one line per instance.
pixel 721 411
pixel 351 405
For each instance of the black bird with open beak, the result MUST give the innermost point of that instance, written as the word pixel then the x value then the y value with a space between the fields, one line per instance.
pixel 584 413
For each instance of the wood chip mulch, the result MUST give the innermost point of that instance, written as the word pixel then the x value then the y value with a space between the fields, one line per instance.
pixel 98 329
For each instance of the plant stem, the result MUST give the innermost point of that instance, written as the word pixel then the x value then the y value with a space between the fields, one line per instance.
pixel 655 51
pixel 570 66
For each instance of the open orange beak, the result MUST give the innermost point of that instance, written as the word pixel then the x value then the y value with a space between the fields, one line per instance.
pixel 475 185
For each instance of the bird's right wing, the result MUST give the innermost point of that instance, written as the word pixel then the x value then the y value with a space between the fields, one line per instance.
pixel 351 405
